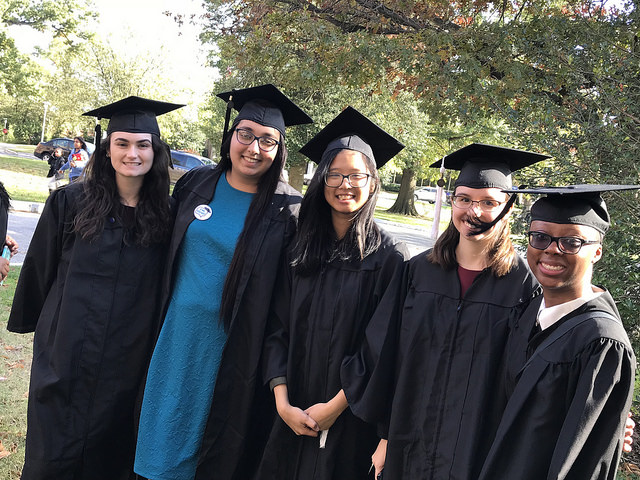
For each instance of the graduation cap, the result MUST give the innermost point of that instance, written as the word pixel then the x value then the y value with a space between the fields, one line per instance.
pixel 265 105
pixel 351 130
pixel 132 114
pixel 574 204
pixel 488 166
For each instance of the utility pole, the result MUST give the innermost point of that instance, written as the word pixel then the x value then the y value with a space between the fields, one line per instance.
pixel 44 120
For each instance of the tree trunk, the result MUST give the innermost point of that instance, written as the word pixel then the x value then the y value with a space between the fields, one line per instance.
pixel 404 202
pixel 296 175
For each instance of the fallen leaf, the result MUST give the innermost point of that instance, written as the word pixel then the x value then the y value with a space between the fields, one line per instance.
pixel 3 451
pixel 18 364
pixel 630 468
pixel 11 348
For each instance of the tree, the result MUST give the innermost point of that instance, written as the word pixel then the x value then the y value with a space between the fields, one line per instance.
pixel 560 77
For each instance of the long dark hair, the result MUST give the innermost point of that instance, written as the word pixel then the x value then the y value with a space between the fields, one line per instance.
pixel 101 198
pixel 5 201
pixel 84 145
pixel 316 243
pixel 257 211
pixel 501 256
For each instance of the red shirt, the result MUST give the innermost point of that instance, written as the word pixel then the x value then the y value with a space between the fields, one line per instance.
pixel 466 278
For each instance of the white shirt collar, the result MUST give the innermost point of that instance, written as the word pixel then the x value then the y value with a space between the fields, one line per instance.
pixel 549 316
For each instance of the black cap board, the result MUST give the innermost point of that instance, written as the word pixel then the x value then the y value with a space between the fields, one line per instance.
pixel 351 130
pixel 132 114
pixel 265 105
pixel 488 166
pixel 574 204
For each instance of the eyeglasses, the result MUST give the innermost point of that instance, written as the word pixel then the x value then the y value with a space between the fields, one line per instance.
pixel 569 245
pixel 462 202
pixel 266 144
pixel 334 180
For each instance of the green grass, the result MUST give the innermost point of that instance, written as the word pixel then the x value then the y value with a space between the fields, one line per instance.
pixel 16 147
pixel 25 179
pixel 15 364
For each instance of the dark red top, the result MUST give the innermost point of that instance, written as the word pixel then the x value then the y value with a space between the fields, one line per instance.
pixel 466 278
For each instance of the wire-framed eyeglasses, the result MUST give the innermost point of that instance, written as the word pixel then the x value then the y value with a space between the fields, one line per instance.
pixel 265 143
pixel 568 245
pixel 357 180
pixel 462 202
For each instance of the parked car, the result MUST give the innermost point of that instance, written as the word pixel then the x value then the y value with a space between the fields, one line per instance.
pixel 44 150
pixel 183 162
pixel 428 194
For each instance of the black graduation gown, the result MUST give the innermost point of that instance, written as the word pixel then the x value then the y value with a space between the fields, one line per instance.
pixel 316 326
pixel 447 368
pixel 567 409
pixel 242 407
pixel 94 307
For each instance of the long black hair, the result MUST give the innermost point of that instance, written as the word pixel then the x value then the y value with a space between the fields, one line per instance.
pixel 316 242
pixel 257 210
pixel 101 198
pixel 84 145
pixel 5 200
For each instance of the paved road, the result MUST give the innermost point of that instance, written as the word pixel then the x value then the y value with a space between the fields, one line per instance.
pixel 6 149
pixel 416 239
pixel 21 227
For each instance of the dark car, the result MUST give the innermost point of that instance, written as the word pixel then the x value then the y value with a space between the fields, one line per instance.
pixel 183 162
pixel 44 150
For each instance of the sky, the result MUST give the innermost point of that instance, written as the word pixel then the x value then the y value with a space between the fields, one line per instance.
pixel 138 27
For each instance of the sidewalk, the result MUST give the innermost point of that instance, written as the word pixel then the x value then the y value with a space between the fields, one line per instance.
pixel 30 207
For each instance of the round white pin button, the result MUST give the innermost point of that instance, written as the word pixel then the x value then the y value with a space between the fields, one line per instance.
pixel 202 212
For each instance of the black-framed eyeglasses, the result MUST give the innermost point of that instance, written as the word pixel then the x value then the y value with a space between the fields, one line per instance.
pixel 334 179
pixel 266 144
pixel 464 203
pixel 568 245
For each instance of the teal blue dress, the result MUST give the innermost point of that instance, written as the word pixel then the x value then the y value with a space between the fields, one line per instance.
pixel 184 365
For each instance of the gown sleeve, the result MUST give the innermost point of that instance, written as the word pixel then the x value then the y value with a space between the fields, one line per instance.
pixel 368 375
pixel 40 264
pixel 566 420
pixel 591 437
pixel 276 343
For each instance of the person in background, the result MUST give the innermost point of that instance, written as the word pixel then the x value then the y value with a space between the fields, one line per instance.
pixel 10 246
pixel 56 161
pixel 429 370
pixel 570 365
pixel 205 413
pixel 90 289
pixel 77 160
pixel 340 266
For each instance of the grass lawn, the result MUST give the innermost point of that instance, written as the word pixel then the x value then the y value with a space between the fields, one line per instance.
pixel 25 179
pixel 16 147
pixel 15 364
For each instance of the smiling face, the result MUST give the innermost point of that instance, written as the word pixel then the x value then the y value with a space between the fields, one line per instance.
pixel 131 154
pixel 564 277
pixel 345 200
pixel 463 219
pixel 248 162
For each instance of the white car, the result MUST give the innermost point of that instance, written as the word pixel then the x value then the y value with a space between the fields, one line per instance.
pixel 428 194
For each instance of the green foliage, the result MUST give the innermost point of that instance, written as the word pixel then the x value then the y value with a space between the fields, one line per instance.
pixel 557 77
